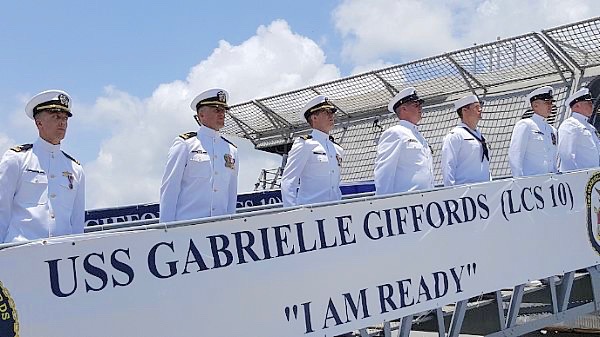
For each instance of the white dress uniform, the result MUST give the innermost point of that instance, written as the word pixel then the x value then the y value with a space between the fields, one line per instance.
pixel 578 144
pixel 404 161
pixel 533 147
pixel 463 157
pixel 200 178
pixel 42 193
pixel 578 140
pixel 312 171
pixel 42 189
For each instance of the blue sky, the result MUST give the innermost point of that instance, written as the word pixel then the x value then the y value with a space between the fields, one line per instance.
pixel 132 67
pixel 82 46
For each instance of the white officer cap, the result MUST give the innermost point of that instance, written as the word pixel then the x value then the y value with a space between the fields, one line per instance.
pixel 319 102
pixel 210 97
pixel 580 95
pixel 465 101
pixel 406 95
pixel 52 100
pixel 543 93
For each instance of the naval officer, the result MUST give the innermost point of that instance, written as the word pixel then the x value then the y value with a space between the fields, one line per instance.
pixel 42 189
pixel 404 161
pixel 465 154
pixel 578 142
pixel 533 144
pixel 312 171
pixel 201 174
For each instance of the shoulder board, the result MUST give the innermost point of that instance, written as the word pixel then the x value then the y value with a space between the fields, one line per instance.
pixel 22 148
pixel 306 137
pixel 188 135
pixel 332 139
pixel 73 159
pixel 228 141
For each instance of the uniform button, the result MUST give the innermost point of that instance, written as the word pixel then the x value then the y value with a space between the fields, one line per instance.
pixel 52 176
pixel 52 215
pixel 215 190
pixel 52 195
pixel 216 173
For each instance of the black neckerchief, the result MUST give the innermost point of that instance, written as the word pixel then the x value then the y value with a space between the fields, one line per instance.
pixel 481 141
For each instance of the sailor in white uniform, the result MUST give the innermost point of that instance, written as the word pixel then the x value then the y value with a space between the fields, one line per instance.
pixel 465 153
pixel 201 174
pixel 578 142
pixel 404 161
pixel 533 144
pixel 312 171
pixel 42 189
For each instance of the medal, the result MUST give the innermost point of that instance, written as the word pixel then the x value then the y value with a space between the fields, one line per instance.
pixel 229 161
pixel 70 177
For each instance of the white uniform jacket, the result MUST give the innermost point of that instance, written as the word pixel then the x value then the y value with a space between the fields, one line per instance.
pixel 533 147
pixel 578 144
pixel 42 193
pixel 404 161
pixel 200 178
pixel 312 171
pixel 463 159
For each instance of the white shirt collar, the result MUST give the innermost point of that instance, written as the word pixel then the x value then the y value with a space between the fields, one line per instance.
pixel 580 117
pixel 206 131
pixel 318 134
pixel 537 118
pixel 44 145
pixel 407 124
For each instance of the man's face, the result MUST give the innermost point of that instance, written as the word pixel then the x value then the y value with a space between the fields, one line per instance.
pixel 212 116
pixel 542 107
pixel 473 112
pixel 323 120
pixel 412 112
pixel 52 126
pixel 584 107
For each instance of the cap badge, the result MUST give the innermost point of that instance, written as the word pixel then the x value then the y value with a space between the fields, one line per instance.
pixel 64 100
pixel 221 96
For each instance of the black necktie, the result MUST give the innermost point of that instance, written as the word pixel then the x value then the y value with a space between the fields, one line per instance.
pixel 481 141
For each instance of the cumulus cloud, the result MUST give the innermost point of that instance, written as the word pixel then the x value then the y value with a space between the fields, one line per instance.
pixel 405 30
pixel 131 159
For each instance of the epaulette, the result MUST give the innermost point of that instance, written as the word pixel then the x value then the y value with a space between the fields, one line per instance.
pixel 332 139
pixel 228 141
pixel 22 148
pixel 73 159
pixel 306 137
pixel 188 135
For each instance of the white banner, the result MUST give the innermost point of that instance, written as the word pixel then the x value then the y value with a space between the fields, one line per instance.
pixel 316 271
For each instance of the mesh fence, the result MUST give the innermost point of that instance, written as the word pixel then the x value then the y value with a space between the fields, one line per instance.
pixel 501 112
pixel 502 73
pixel 579 42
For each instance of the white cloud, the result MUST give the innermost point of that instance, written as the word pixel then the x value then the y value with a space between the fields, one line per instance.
pixel 5 142
pixel 130 163
pixel 406 30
